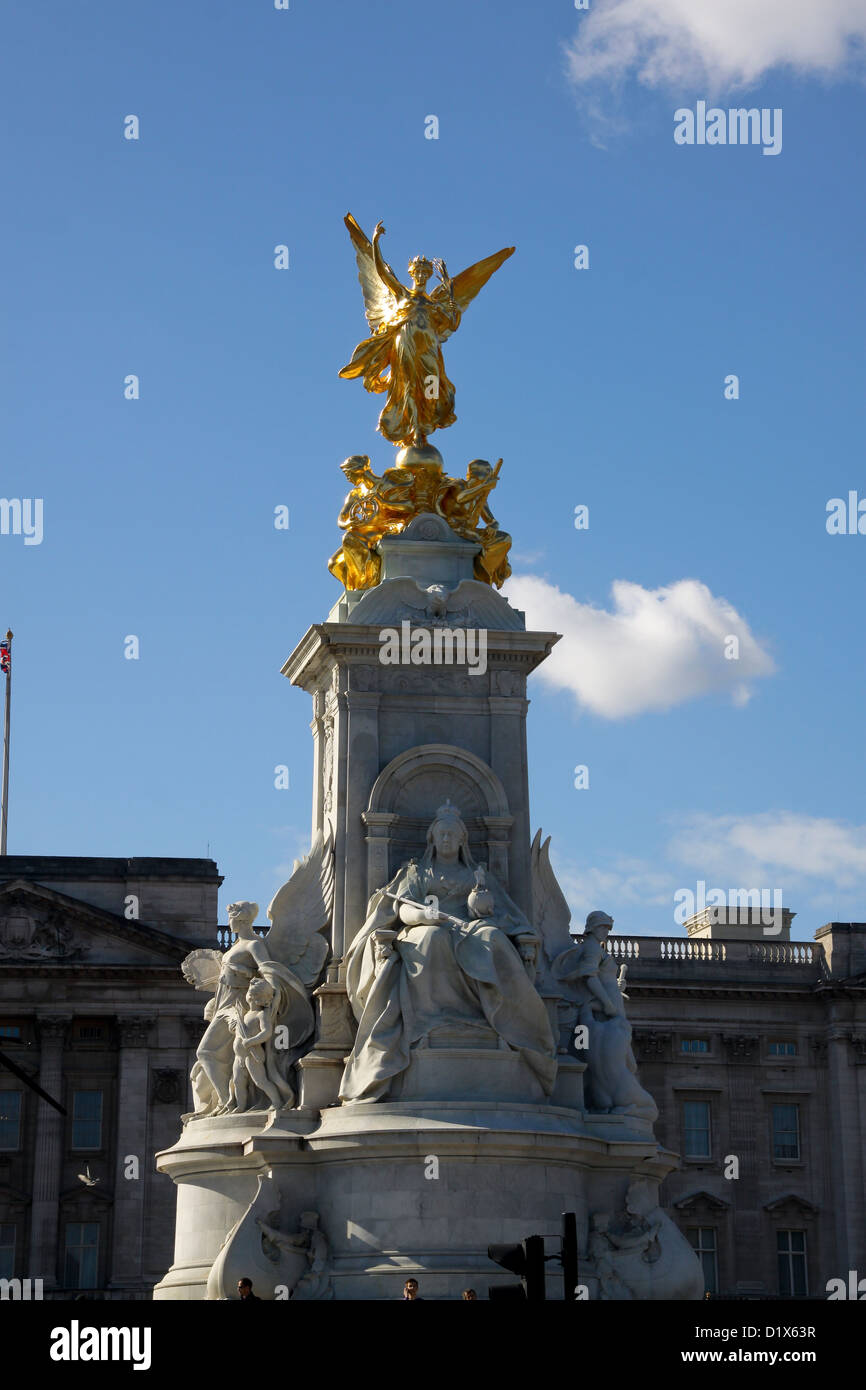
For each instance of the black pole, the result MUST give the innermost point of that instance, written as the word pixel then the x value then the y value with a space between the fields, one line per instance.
pixel 28 1081
pixel 569 1256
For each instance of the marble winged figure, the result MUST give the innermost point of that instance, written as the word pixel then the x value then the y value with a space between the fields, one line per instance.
pixel 403 355
pixel 259 1017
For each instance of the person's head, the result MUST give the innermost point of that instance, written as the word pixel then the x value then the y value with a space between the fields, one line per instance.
pixel 241 917
pixel 448 835
pixel 245 1288
pixel 420 269
pixel 260 992
pixel 640 1199
pixel 356 467
pixel 478 469
pixel 468 1295
pixel 410 1289
pixel 599 925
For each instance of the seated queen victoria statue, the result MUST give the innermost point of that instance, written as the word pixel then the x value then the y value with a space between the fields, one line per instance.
pixel 443 944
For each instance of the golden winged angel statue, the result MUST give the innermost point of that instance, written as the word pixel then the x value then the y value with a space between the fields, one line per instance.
pixel 403 355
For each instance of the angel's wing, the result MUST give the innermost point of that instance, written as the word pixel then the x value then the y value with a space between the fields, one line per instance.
pixel 202 969
pixel 550 912
pixel 301 910
pixel 466 285
pixel 379 302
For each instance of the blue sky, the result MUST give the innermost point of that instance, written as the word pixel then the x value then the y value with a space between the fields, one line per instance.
pixel 602 387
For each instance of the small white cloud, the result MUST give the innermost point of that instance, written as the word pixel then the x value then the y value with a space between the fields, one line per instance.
pixel 749 850
pixel 656 649
pixel 718 43
pixel 632 882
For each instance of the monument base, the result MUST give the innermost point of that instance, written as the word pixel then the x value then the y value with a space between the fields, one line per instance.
pixel 420 1187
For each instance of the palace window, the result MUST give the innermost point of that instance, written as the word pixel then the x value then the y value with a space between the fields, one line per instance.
pixel 7 1251
pixel 696 1129
pixel 10 1031
pixel 791 1260
pixel 87 1119
pixel 82 1255
pixel 694 1045
pixel 10 1119
pixel 782 1049
pixel 786 1131
pixel 703 1241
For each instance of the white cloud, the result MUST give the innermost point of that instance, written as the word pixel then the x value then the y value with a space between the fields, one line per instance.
pixel 751 849
pixel 720 43
pixel 656 649
pixel 630 882
pixel 819 865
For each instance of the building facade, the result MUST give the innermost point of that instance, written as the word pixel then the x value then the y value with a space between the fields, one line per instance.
pixel 753 1046
pixel 94 1010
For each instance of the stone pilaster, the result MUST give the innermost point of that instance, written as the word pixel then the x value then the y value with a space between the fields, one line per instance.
pixel 131 1140
pixel 754 1260
pixel 378 825
pixel 846 1156
pixel 362 747
pixel 48 1153
pixel 508 759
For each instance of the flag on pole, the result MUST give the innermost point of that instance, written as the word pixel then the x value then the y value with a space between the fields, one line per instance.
pixel 5 658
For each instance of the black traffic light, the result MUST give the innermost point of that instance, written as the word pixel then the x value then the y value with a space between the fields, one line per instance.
pixel 525 1259
pixel 569 1256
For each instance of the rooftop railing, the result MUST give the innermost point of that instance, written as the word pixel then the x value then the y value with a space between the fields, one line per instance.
pixel 658 949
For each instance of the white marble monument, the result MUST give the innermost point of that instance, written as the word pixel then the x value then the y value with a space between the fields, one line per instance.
pixel 388 1082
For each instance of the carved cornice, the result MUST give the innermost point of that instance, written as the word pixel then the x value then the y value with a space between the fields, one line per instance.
pixel 791 1201
pixel 695 1201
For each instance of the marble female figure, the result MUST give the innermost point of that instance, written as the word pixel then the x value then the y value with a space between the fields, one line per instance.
pixel 467 961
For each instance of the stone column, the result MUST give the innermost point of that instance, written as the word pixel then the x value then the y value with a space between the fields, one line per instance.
pixel 131 1139
pixel 48 1153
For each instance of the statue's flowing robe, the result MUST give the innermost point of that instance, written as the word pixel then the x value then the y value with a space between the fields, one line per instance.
pixel 440 974
pixel 294 1012
pixel 405 359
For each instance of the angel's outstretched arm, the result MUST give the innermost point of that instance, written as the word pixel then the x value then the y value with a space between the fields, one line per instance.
pixel 383 270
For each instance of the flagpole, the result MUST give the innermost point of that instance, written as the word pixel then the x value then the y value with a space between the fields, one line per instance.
pixel 4 811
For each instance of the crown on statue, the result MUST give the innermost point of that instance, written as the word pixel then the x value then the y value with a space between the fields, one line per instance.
pixel 449 812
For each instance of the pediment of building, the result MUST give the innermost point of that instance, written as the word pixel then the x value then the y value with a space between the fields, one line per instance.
pixel 40 926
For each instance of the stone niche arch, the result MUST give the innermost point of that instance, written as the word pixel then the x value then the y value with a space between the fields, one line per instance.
pixel 407 794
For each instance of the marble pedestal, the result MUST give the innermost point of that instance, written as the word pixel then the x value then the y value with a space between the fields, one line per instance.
pixel 413 1186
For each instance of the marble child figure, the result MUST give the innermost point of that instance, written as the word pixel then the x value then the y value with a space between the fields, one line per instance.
pixel 256 1059
pixel 442 945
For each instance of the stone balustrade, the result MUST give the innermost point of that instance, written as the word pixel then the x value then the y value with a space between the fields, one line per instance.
pixel 649 951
